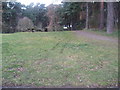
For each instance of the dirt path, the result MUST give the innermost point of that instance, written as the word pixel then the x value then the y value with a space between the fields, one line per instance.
pixel 95 36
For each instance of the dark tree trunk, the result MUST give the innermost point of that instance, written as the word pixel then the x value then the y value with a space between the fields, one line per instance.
pixel 101 15
pixel 118 16
pixel 110 17
pixel 87 15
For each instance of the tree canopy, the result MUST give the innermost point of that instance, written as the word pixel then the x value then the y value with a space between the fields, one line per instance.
pixel 74 15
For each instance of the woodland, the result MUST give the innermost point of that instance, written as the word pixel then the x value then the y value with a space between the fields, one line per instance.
pixel 67 45
pixel 101 16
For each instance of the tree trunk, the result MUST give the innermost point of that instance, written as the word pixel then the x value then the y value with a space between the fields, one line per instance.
pixel 87 15
pixel 110 17
pixel 118 15
pixel 101 15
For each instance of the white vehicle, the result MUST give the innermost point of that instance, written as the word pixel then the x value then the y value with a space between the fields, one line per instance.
pixel 65 27
pixel 70 25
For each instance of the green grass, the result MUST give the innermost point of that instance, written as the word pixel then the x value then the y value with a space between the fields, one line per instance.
pixel 58 59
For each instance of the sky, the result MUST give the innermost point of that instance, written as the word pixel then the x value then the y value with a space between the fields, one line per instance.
pixel 46 2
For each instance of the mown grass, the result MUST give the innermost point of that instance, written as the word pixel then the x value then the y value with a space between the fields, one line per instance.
pixel 58 59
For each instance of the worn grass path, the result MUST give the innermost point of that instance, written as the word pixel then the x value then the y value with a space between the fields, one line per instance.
pixel 95 36
pixel 59 59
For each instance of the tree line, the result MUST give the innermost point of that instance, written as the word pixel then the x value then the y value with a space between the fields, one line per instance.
pixel 79 15
pixel 91 15
pixel 13 11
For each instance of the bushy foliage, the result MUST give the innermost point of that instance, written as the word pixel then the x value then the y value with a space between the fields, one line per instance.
pixel 70 14
pixel 13 11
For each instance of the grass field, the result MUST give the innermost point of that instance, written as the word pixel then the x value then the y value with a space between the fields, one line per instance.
pixel 58 59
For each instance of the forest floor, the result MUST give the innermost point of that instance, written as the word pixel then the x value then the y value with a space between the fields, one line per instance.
pixel 59 59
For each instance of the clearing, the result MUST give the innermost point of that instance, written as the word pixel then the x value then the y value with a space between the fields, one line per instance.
pixel 59 59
